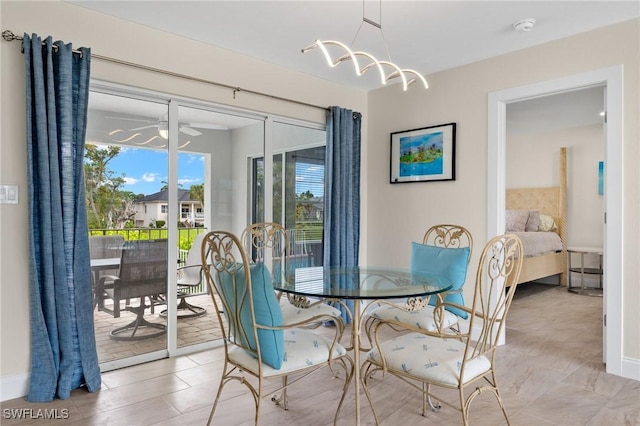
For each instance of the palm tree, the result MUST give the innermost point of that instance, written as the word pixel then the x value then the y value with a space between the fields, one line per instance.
pixel 196 192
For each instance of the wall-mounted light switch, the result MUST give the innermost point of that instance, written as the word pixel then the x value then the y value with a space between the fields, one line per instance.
pixel 9 194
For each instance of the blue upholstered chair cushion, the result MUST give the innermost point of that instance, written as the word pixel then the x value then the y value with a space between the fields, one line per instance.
pixel 267 312
pixel 449 262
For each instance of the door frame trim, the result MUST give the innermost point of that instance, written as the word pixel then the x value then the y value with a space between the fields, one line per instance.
pixel 612 78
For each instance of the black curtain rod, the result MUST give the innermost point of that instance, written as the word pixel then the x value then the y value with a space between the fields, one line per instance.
pixel 8 35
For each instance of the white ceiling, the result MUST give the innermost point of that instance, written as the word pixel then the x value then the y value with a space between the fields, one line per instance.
pixel 427 36
pixel 570 109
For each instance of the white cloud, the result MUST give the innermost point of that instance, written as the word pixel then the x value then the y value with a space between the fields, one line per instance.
pixel 189 181
pixel 130 180
pixel 149 177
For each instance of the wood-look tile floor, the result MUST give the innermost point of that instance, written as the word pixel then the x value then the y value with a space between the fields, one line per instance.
pixel 550 373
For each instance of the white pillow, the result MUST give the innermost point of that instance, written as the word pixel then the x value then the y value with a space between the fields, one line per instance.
pixel 547 223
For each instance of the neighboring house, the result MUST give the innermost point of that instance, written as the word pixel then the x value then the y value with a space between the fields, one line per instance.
pixel 155 207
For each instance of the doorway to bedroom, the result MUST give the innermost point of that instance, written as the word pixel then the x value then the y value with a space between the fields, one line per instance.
pixel 537 130
pixel 611 80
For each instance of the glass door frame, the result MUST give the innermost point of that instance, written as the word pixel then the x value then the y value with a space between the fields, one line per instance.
pixel 174 102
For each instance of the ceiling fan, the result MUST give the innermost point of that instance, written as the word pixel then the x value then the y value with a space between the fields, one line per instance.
pixel 187 128
pixel 162 124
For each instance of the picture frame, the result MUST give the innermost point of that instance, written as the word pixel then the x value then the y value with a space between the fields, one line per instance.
pixel 600 177
pixel 424 155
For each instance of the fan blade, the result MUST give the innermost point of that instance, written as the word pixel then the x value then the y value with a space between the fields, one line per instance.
pixel 189 131
pixel 144 127
pixel 209 126
pixel 129 119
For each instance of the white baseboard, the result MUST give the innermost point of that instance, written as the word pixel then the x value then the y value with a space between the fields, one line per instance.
pixel 631 368
pixel 14 386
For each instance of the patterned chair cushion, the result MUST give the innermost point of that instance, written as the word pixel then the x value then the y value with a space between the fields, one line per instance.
pixel 302 348
pixel 429 358
pixel 422 319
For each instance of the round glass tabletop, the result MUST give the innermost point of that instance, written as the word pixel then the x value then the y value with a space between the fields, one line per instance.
pixel 360 283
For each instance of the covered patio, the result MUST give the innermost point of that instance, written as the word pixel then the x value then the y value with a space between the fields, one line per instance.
pixel 190 330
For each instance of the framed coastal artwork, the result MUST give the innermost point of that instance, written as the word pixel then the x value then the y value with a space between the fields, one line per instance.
pixel 425 154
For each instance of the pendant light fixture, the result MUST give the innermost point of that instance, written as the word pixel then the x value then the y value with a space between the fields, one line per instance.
pixel 387 69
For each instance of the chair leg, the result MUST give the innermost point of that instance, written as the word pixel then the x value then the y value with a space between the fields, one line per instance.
pixel 282 399
pixel 493 388
pixel 128 332
pixel 366 372
pixel 498 395
pixel 348 370
pixel 185 309
pixel 258 399
pixel 427 400
pixel 464 405
pixel 215 403
pixel 504 411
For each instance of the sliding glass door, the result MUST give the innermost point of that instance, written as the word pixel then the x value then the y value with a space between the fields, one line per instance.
pixel 297 187
pixel 160 168
pixel 212 151
pixel 126 164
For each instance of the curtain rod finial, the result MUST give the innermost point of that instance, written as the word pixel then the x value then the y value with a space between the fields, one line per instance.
pixel 8 35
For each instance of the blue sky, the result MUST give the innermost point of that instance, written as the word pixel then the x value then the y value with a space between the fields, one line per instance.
pixel 425 140
pixel 309 178
pixel 144 170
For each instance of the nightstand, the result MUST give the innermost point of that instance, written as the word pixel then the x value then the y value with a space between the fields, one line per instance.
pixel 582 270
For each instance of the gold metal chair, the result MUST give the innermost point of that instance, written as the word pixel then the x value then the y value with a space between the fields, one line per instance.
pixel 451 360
pixel 417 312
pixel 257 345
pixel 269 242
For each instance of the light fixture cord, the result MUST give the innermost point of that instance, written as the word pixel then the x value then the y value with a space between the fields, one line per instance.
pixel 373 23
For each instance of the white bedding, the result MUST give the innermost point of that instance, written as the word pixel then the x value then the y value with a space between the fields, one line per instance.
pixel 536 243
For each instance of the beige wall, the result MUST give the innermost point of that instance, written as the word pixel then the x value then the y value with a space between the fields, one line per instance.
pixel 114 38
pixel 532 161
pixel 460 95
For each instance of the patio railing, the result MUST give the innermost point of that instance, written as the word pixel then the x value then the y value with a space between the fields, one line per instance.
pixel 301 245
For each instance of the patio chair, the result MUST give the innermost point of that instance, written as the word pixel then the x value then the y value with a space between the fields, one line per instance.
pixel 190 279
pixel 454 360
pixel 257 344
pixel 103 247
pixel 143 275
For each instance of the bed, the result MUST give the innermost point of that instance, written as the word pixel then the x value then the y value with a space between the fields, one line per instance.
pixel 545 249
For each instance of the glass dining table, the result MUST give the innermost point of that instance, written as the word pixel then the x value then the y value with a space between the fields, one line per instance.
pixel 358 284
